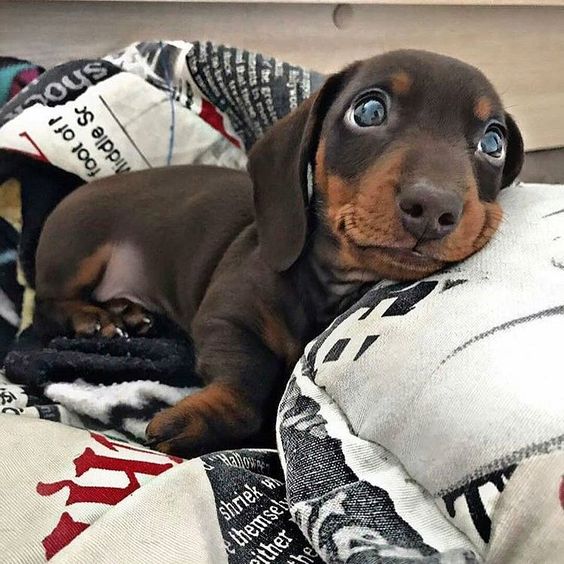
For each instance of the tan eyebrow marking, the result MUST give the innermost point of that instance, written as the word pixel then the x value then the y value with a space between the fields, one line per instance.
pixel 401 82
pixel 483 108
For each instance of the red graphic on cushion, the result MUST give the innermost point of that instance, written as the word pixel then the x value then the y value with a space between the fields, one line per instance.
pixel 38 155
pixel 561 492
pixel 67 529
pixel 210 115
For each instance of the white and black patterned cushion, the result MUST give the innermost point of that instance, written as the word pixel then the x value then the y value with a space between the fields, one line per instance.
pixel 404 420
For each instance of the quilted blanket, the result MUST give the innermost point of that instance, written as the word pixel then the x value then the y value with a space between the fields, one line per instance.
pixel 424 425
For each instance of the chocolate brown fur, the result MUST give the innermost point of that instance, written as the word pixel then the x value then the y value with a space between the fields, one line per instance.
pixel 250 269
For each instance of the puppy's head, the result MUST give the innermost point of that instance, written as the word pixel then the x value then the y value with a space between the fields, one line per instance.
pixel 409 151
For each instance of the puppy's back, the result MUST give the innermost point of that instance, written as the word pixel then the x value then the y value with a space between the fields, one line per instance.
pixel 181 213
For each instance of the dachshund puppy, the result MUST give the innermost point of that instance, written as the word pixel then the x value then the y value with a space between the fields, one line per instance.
pixel 391 170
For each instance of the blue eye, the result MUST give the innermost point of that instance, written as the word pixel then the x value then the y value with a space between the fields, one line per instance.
pixel 370 110
pixel 492 143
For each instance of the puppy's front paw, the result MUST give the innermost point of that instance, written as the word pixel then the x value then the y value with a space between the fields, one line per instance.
pixel 165 425
pixel 174 431
pixel 214 419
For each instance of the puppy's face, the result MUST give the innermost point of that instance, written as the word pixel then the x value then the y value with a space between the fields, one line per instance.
pixel 412 154
pixel 410 150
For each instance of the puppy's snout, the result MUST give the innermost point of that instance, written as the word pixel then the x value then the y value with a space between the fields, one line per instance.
pixel 428 212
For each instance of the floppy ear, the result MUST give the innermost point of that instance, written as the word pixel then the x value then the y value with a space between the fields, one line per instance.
pixel 515 152
pixel 278 165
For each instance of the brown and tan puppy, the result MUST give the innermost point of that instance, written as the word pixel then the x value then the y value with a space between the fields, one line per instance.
pixel 408 152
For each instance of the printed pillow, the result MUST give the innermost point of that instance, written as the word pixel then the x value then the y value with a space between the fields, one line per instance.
pixel 427 420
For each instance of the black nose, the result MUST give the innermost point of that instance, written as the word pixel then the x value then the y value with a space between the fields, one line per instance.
pixel 428 212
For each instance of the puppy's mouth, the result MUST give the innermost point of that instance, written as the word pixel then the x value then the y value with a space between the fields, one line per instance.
pixel 398 253
pixel 412 256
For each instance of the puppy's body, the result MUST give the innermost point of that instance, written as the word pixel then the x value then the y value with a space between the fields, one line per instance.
pixel 407 152
pixel 147 244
